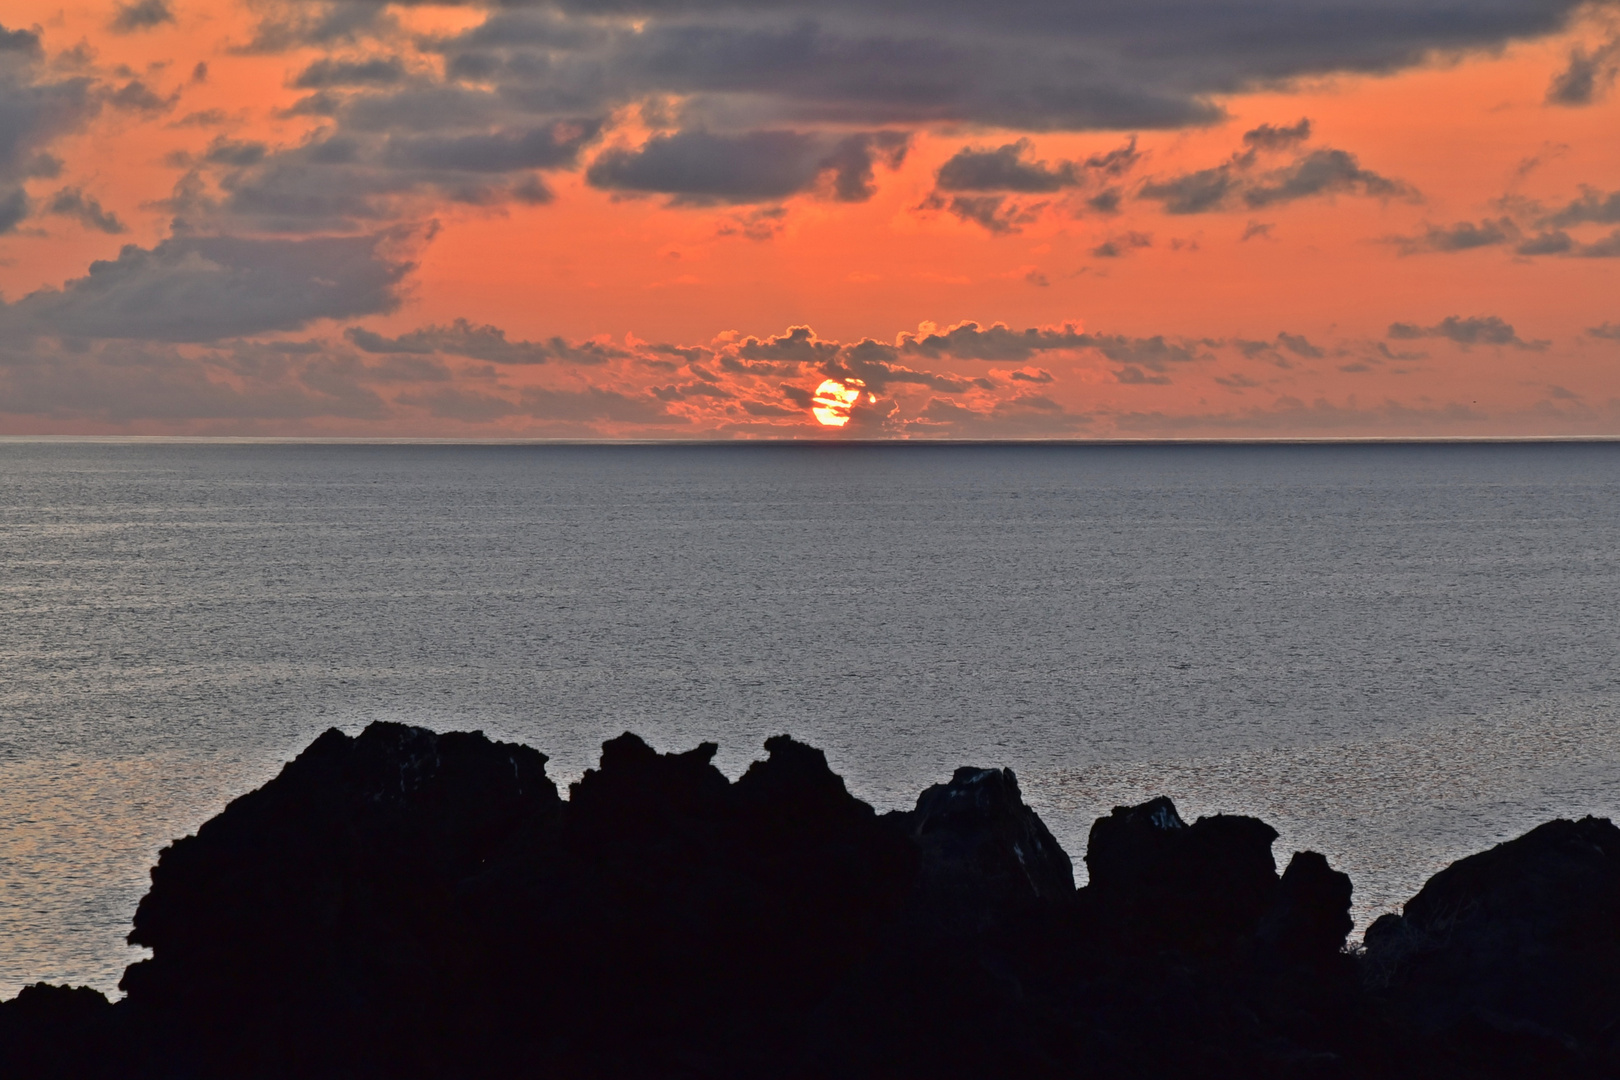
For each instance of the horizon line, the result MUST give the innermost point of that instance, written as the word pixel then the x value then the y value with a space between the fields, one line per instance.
pixel 414 440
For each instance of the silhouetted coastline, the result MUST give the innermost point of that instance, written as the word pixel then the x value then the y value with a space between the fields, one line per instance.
pixel 403 903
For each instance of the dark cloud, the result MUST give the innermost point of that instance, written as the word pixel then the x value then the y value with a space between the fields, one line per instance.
pixel 1556 242
pixel 23 42
pixel 35 109
pixel 1123 244
pixel 875 364
pixel 760 223
pixel 1106 201
pixel 1270 137
pixel 1587 76
pixel 374 71
pixel 1607 247
pixel 766 409
pixel 349 180
pixel 762 98
pixel 1322 172
pixel 1272 351
pixel 131 381
pixel 996 213
pixel 234 153
pixel 142 15
pixel 1299 345
pixel 549 147
pixel 1475 330
pixel 1195 192
pixel 1028 64
pixel 318 23
pixel 1461 236
pixel 757 166
pixel 798 346
pixel 1608 331
pixel 135 96
pixel 1131 375
pixel 994 174
pixel 488 343
pixel 1025 416
pixel 1004 169
pixel 969 341
pixel 202 118
pixel 1239 183
pixel 196 289
pixel 1593 207
pixel 852 159
pixel 595 403
pixel 696 389
pixel 74 203
pixel 468 406
pixel 1039 375
pixel 1559 242
pixel 1155 353
pixel 14 207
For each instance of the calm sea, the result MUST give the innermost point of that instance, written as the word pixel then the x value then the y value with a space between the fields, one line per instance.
pixel 1396 655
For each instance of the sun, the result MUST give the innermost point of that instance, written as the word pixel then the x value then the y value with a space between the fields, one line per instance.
pixel 834 399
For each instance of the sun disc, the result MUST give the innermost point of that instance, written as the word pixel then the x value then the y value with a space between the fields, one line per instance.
pixel 834 399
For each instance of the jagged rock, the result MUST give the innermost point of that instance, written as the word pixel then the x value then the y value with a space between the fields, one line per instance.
pixel 55 1031
pixel 983 852
pixel 1159 883
pixel 1310 915
pixel 1518 945
pixel 412 905
pixel 305 926
pixel 707 917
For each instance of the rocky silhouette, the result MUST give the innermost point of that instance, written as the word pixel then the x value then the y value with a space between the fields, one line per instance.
pixel 409 904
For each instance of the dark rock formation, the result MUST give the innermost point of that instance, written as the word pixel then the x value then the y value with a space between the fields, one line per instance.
pixel 302 928
pixel 1309 917
pixel 984 854
pixel 1515 952
pixel 1158 883
pixel 59 1032
pixel 403 904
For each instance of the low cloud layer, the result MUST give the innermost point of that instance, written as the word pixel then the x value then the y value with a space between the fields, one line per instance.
pixel 1530 229
pixel 1473 330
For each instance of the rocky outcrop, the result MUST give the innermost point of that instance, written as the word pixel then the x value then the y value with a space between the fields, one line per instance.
pixel 1158 883
pixel 1309 916
pixel 1515 951
pixel 409 904
pixel 983 854
pixel 59 1033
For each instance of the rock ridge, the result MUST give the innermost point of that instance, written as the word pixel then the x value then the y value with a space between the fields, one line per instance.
pixel 406 903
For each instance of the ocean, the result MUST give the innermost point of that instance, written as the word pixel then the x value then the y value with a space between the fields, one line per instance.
pixel 1395 654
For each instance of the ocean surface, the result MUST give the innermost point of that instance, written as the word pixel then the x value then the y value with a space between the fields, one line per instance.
pixel 1396 655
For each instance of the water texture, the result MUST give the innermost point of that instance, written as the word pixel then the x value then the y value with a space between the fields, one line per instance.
pixel 1395 654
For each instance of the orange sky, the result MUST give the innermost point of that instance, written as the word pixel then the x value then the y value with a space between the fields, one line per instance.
pixel 1391 334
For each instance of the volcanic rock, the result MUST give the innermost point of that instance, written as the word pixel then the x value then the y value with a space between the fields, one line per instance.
pixel 1158 883
pixel 1515 950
